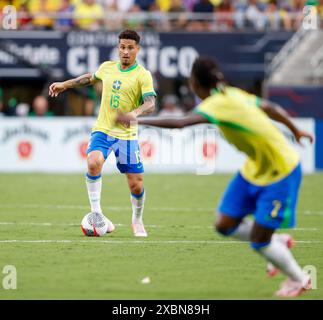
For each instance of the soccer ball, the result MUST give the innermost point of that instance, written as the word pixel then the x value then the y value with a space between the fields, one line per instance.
pixel 94 224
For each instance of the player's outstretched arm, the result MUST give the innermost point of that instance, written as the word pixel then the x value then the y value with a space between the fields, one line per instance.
pixel 277 113
pixel 147 107
pixel 180 122
pixel 84 80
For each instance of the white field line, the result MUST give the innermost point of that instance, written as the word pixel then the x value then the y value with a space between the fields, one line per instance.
pixel 38 224
pixel 138 242
pixel 309 212
pixel 48 224
pixel 86 207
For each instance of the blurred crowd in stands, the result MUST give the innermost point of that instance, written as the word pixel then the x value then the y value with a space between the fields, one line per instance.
pixel 85 102
pixel 160 15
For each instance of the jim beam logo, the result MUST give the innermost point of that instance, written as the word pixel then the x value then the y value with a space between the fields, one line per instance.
pixel 24 146
pixel 24 149
pixel 23 130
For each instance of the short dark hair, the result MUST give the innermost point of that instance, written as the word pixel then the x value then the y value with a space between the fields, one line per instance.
pixel 129 34
pixel 206 71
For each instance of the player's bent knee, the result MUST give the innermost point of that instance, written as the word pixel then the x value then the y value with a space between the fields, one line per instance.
pixel 136 191
pixel 225 225
pixel 135 184
pixel 136 188
pixel 94 168
pixel 94 163
pixel 222 229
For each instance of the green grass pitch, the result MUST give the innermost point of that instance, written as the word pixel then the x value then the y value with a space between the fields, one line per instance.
pixel 182 256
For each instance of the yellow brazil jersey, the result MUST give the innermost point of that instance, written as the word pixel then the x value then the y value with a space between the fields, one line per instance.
pixel 123 90
pixel 269 156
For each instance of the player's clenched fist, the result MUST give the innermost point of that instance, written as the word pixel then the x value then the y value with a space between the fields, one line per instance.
pixel 56 88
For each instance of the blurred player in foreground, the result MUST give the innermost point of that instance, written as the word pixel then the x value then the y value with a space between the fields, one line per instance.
pixel 127 86
pixel 268 183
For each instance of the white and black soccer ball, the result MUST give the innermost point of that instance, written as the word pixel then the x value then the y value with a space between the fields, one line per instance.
pixel 94 224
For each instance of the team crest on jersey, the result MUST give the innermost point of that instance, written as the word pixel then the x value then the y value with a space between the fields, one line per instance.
pixel 116 85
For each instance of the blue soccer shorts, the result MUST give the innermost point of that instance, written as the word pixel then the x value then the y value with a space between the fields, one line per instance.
pixel 273 205
pixel 127 152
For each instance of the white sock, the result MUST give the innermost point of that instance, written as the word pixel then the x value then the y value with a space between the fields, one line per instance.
pixel 276 252
pixel 94 191
pixel 243 231
pixel 281 257
pixel 137 204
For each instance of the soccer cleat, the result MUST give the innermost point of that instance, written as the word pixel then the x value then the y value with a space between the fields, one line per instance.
pixel 139 229
pixel 290 288
pixel 286 239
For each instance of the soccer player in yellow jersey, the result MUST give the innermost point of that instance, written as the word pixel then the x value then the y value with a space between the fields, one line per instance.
pixel 268 183
pixel 127 86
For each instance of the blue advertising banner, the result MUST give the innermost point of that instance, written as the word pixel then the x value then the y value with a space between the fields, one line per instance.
pixel 241 55
pixel 319 144
pixel 299 101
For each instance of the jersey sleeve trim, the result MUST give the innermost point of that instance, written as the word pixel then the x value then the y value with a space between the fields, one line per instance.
pixel 207 116
pixel 96 77
pixel 258 101
pixel 152 93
